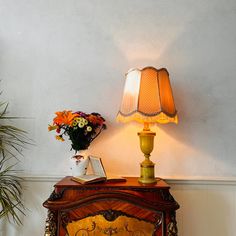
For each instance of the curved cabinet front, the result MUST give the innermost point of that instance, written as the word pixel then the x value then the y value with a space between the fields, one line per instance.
pixel 107 209
pixel 110 217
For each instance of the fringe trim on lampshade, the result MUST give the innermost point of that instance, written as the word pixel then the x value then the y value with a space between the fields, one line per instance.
pixel 161 118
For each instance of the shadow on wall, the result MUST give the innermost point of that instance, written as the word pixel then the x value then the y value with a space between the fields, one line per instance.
pixel 84 44
pixel 201 66
pixel 202 73
pixel 203 85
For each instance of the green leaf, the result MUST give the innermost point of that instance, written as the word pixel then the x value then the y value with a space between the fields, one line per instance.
pixel 12 141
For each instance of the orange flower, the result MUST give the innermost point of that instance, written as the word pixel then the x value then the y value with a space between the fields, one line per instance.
pixel 95 119
pixel 59 137
pixel 64 118
pixel 81 128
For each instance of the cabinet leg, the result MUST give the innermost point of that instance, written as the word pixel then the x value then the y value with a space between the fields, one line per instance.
pixel 51 224
pixel 172 225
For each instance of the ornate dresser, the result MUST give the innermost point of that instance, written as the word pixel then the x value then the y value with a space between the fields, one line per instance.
pixel 118 208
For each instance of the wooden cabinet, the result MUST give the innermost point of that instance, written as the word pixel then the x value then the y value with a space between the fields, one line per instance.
pixel 119 209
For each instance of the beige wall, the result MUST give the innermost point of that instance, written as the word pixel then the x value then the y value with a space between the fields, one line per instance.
pixel 61 54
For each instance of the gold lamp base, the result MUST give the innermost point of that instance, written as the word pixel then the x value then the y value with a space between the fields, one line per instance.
pixel 146 138
pixel 147 172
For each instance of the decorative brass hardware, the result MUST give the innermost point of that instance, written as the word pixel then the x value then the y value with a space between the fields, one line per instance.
pixel 50 225
pixel 172 226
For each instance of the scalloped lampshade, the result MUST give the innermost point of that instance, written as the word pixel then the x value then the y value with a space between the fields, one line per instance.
pixel 147 97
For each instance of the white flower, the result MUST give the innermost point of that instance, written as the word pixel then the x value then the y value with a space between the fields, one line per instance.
pixel 81 124
pixel 89 128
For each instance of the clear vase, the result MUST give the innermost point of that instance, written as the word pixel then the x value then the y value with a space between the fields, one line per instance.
pixel 79 163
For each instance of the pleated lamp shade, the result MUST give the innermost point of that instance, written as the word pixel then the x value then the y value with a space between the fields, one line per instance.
pixel 147 97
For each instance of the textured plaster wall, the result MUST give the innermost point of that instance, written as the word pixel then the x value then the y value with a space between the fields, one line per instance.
pixel 62 54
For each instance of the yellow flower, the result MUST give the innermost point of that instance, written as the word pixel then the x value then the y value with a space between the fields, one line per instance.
pixel 79 119
pixel 52 127
pixel 59 137
pixel 81 124
pixel 74 123
pixel 89 128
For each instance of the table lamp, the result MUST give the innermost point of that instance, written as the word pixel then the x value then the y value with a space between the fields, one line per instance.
pixel 147 99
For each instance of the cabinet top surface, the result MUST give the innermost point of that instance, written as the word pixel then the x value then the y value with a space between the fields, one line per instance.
pixel 130 182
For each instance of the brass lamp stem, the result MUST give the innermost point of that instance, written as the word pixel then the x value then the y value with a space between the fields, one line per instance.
pixel 146 138
pixel 146 126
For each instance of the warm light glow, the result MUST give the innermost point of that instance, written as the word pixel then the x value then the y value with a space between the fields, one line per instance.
pixel 132 82
pixel 131 90
pixel 147 97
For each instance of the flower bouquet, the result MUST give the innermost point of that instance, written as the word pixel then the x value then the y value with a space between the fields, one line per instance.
pixel 81 128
